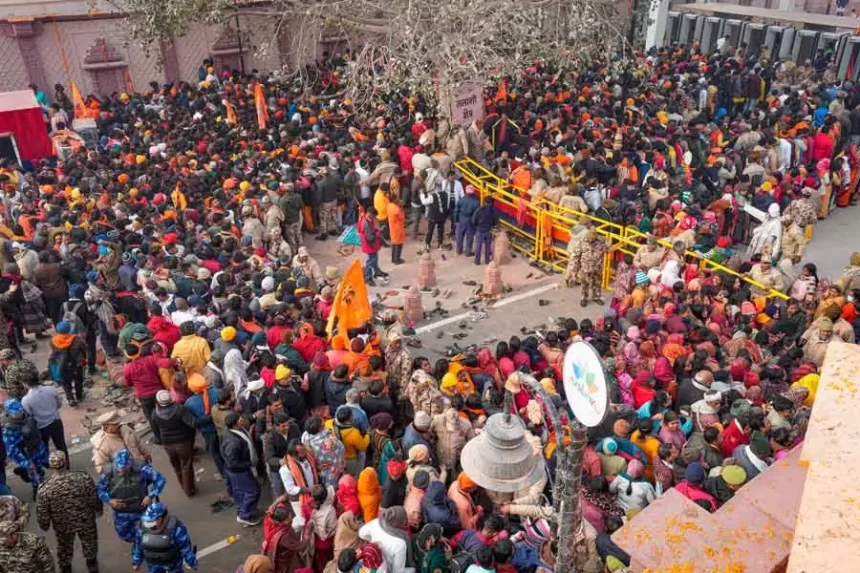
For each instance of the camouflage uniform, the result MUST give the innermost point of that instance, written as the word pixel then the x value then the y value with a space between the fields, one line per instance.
pixel 803 212
pixel 587 259
pixel 31 553
pixel 328 217
pixel 68 501
pixel 16 376
pixel 421 391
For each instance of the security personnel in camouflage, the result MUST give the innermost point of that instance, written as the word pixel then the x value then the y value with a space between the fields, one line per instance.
pixel 163 542
pixel 68 501
pixel 587 259
pixel 21 551
pixel 16 372
pixel 129 487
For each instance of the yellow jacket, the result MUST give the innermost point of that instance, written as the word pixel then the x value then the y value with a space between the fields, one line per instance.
pixel 354 442
pixel 194 352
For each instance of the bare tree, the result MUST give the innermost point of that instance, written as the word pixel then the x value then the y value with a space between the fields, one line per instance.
pixel 416 45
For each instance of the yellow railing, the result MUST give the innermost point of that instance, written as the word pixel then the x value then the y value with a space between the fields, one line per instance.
pixel 552 223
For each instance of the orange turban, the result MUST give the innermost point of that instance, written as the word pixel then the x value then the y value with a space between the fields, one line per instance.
pixel 465 483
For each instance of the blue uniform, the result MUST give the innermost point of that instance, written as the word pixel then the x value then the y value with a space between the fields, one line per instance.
pixel 13 442
pixel 179 539
pixel 126 522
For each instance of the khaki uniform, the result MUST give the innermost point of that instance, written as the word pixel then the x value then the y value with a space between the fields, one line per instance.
pixel 106 445
pixel 649 257
pixel 772 279
pixel 793 243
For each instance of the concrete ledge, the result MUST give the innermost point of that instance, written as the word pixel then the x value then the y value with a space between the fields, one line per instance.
pixel 827 537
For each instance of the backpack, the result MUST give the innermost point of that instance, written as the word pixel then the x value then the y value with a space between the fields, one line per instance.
pixel 59 363
pixel 32 439
pixel 461 562
pixel 71 315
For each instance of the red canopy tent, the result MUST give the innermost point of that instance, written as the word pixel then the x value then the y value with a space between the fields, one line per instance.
pixel 21 116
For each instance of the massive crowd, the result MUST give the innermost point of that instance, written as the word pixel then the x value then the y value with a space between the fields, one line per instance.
pixel 176 250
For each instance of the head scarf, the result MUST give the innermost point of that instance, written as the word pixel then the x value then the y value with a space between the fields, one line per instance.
pixel 381 421
pixel 371 556
pixel 369 493
pixel 346 535
pixel 393 521
pixel 14 515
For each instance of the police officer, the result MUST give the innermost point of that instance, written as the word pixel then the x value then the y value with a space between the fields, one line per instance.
pixel 68 501
pixel 129 487
pixel 163 542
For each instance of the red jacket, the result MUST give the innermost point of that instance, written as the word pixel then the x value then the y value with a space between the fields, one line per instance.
pixel 694 493
pixel 367 228
pixel 164 331
pixel 733 436
pixel 822 147
pixel 141 375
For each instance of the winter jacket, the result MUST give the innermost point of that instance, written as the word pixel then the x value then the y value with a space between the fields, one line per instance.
pixel 175 423
pixel 466 207
pixel 369 234
pixel 485 218
pixel 142 375
pixel 438 205
pixel 437 508
pixel 234 450
pixel 641 493
pixel 292 205
pixel 354 442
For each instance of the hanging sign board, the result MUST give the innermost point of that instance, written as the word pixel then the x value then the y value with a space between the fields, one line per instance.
pixel 585 384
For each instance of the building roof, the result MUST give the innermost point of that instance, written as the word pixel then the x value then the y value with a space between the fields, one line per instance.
pixel 772 16
pixel 23 99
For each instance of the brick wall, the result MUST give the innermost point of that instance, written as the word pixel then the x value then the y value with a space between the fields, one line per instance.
pixel 13 72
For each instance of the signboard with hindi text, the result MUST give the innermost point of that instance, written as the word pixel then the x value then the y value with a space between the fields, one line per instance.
pixel 467 103
pixel 585 383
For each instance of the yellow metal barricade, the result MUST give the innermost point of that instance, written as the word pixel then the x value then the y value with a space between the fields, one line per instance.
pixel 552 224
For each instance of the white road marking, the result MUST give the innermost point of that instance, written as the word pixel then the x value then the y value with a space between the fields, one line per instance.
pixel 224 544
pixel 503 302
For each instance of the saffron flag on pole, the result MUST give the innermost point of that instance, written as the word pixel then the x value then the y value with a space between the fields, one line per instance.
pixel 262 109
pixel 351 305
pixel 81 110
pixel 502 92
pixel 231 113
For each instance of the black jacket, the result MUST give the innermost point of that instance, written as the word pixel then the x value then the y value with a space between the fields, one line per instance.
pixel 373 405
pixel 294 402
pixel 275 446
pixel 234 450
pixel 175 424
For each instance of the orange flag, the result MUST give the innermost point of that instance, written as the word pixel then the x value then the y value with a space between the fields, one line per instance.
pixel 502 92
pixel 351 306
pixel 178 198
pixel 262 109
pixel 81 110
pixel 231 113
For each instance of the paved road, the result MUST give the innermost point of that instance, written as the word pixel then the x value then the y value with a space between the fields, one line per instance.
pixel 834 240
pixel 206 528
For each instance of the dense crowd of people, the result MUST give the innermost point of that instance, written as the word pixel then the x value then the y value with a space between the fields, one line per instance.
pixel 173 256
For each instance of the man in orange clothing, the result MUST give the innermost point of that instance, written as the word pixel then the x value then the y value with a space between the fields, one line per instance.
pixel 396 229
